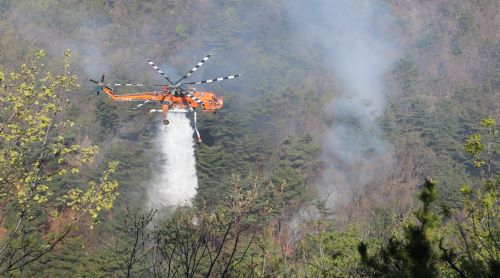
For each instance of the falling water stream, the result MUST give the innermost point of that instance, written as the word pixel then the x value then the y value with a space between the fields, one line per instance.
pixel 176 182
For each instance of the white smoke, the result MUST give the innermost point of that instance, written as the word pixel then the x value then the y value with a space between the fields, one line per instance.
pixel 176 182
pixel 353 39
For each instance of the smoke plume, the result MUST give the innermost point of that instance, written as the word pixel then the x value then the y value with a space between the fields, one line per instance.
pixel 351 36
pixel 175 183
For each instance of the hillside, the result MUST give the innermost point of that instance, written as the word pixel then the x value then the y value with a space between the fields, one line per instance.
pixel 323 145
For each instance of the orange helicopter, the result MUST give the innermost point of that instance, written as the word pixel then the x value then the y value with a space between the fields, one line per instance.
pixel 173 97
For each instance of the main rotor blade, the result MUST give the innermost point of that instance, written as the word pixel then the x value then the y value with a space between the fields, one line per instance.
pixel 139 85
pixel 142 104
pixel 190 95
pixel 212 80
pixel 194 69
pixel 158 70
pixel 93 81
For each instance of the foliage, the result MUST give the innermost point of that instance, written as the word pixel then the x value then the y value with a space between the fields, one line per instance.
pixel 329 252
pixel 474 250
pixel 413 255
pixel 35 214
pixel 204 241
pixel 297 165
pixel 483 148
pixel 468 245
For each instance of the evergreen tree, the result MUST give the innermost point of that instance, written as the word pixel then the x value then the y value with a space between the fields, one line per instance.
pixel 413 255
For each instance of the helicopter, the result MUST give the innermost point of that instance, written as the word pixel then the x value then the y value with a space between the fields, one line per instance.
pixel 174 97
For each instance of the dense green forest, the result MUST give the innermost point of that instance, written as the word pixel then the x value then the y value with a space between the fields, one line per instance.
pixel 298 175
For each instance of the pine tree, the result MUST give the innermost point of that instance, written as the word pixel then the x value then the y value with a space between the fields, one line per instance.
pixel 413 255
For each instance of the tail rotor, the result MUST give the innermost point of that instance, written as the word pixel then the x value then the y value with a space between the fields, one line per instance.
pixel 100 84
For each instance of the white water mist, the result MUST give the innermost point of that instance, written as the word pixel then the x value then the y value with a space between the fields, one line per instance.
pixel 176 182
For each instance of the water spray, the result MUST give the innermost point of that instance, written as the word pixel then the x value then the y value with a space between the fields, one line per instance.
pixel 176 182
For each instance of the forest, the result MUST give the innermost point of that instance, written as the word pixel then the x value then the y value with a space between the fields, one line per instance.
pixel 361 140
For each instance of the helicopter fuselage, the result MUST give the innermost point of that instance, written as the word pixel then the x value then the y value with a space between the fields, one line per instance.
pixel 208 101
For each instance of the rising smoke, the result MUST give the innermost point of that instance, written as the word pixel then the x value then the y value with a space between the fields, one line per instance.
pixel 350 35
pixel 175 183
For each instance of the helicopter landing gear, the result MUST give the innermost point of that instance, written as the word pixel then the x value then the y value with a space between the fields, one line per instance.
pixel 196 129
pixel 166 122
